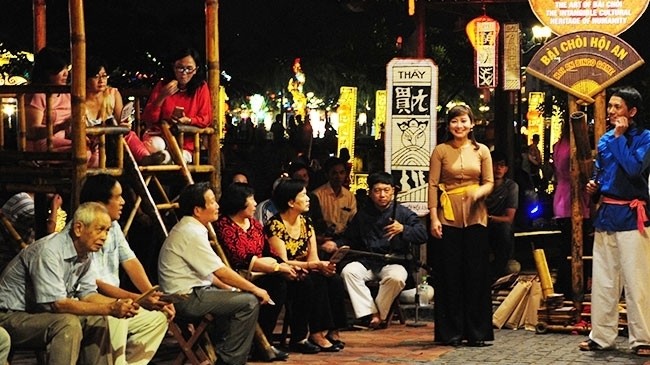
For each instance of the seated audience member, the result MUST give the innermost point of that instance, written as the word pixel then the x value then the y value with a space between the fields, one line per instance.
pixel 49 298
pixel 147 329
pixel 50 68
pixel 337 203
pixel 188 265
pixel 502 206
pixel 242 238
pixel 104 105
pixel 316 299
pixel 266 209
pixel 240 177
pixel 382 228
pixel 182 96
pixel 19 211
pixel 5 346
pixel 300 171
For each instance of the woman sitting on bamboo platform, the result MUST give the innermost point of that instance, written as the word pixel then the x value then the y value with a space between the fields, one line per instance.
pixel 182 96
pixel 242 238
pixel 321 292
pixel 104 105
pixel 51 67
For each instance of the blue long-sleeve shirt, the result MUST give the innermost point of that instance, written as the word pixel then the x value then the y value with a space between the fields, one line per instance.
pixel 621 171
pixel 366 232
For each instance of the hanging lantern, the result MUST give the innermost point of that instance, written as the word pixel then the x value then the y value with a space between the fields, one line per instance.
pixel 483 33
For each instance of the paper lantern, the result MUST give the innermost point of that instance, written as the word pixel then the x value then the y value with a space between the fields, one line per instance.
pixel 483 34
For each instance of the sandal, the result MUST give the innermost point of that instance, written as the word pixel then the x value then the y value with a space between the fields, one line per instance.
pixel 591 345
pixel 642 350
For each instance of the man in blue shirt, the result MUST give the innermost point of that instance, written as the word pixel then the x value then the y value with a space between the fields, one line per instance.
pixel 621 253
pixel 382 228
pixel 49 299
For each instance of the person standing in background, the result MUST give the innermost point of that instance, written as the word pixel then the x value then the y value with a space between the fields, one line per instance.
pixel 535 161
pixel 562 206
pixel 460 173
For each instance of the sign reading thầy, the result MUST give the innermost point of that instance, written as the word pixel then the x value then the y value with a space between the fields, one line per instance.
pixel 584 63
pixel 611 16
pixel 412 98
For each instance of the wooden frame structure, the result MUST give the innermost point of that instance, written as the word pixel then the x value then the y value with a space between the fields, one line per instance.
pixel 71 178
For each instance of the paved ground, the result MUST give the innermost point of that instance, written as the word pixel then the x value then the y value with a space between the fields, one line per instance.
pixel 401 344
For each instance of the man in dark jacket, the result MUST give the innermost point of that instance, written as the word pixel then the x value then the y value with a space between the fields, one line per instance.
pixel 385 229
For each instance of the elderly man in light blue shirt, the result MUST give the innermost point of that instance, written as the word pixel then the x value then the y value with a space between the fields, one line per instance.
pixel 49 299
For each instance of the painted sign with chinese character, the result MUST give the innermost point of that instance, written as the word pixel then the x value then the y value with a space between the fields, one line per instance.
pixel 611 16
pixel 483 33
pixel 511 57
pixel 412 98
pixel 584 63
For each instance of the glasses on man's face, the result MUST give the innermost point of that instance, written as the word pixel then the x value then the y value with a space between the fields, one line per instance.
pixel 185 69
pixel 378 191
pixel 101 76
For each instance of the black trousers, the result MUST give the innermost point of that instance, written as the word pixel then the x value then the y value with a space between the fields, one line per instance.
pixel 463 304
pixel 328 306
pixel 276 286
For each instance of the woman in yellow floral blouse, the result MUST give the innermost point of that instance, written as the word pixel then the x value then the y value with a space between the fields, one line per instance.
pixel 316 299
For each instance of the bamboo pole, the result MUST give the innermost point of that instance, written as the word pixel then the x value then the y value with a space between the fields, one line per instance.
pixel 214 82
pixel 543 272
pixel 78 96
pixel 39 14
pixel 581 162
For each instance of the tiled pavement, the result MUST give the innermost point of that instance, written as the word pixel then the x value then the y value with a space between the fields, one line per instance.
pixel 401 344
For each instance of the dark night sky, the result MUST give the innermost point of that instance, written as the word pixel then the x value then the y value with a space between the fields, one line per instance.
pixel 257 36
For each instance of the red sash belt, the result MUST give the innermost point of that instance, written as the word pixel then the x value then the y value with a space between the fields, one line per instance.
pixel 637 204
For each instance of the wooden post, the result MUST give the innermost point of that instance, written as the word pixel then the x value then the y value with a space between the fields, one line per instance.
pixel 38 9
pixel 214 154
pixel 78 96
pixel 580 171
pixel 420 28
pixel 214 83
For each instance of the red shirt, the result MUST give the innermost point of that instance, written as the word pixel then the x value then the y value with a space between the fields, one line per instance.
pixel 239 245
pixel 198 107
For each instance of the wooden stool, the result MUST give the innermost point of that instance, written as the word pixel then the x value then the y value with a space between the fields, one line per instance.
pixel 396 313
pixel 188 335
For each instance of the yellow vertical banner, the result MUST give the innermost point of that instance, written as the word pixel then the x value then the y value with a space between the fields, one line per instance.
pixel 347 111
pixel 511 57
pixel 380 112
pixel 536 119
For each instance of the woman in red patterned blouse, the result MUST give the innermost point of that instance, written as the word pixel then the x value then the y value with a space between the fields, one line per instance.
pixel 242 238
